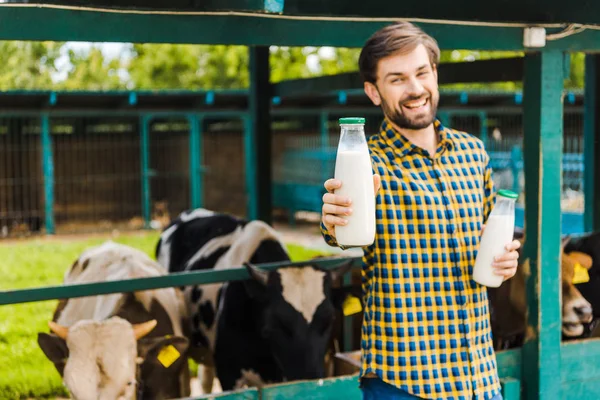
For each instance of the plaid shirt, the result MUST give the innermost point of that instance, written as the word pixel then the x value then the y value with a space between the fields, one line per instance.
pixel 426 326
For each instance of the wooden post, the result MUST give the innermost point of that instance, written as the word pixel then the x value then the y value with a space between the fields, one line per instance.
pixel 543 144
pixel 591 144
pixel 48 167
pixel 258 141
pixel 145 167
pixel 195 160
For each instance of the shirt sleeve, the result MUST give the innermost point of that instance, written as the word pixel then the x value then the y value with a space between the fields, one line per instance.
pixel 489 188
pixel 330 240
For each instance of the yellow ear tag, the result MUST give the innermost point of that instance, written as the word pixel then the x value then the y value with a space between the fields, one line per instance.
pixel 168 355
pixel 351 306
pixel 581 274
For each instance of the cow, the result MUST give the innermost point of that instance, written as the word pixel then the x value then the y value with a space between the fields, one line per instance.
pixel 123 345
pixel 508 302
pixel 275 326
pixel 589 286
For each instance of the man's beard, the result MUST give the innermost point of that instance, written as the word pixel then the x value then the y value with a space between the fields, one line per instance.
pixel 404 122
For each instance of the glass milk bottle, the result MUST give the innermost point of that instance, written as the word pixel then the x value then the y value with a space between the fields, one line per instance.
pixel 499 231
pixel 353 169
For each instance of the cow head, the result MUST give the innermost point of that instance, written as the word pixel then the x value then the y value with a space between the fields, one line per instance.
pixel 577 311
pixel 97 360
pixel 298 312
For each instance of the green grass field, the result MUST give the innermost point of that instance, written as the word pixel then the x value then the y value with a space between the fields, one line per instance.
pixel 25 372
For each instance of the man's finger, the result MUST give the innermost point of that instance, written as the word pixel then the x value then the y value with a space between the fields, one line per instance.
pixel 330 198
pixel 336 210
pixel 376 182
pixel 332 184
pixel 333 220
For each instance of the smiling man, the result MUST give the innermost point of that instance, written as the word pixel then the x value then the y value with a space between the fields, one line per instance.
pixel 426 329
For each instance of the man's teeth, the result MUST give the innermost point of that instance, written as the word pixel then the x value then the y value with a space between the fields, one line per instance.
pixel 416 104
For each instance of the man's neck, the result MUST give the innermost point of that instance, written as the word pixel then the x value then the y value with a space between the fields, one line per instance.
pixel 425 138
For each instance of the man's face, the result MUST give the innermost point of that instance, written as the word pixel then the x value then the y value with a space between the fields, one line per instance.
pixel 407 89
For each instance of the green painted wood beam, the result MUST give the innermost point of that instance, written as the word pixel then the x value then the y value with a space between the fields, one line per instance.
pixel 481 71
pixel 268 6
pixel 171 280
pixel 259 29
pixel 591 148
pixel 195 150
pixel 258 150
pixel 48 169
pixel 345 387
pixel 512 11
pixel 542 145
pixel 145 168
pixel 245 394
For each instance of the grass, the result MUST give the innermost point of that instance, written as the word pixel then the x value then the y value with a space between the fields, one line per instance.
pixel 25 372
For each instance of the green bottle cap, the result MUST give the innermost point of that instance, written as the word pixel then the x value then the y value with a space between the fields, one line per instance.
pixel 507 193
pixel 352 120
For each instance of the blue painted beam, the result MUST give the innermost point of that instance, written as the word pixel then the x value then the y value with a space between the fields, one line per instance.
pixel 145 168
pixel 591 143
pixel 543 145
pixel 48 167
pixel 258 139
pixel 195 161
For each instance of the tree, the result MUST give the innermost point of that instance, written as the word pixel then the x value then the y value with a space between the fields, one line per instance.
pixel 28 65
pixel 90 71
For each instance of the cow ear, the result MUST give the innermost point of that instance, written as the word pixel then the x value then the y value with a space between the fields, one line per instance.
pixel 583 259
pixel 55 349
pixel 162 359
pixel 342 294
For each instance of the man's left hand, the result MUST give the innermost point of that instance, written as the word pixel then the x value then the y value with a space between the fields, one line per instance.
pixel 506 264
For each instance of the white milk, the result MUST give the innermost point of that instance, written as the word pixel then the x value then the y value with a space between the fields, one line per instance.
pixel 353 169
pixel 499 231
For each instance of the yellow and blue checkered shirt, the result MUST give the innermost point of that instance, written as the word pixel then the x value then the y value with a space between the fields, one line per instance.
pixel 426 325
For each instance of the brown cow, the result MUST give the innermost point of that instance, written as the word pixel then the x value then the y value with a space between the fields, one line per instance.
pixel 509 304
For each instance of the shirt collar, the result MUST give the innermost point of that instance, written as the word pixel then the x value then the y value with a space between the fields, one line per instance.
pixel 402 146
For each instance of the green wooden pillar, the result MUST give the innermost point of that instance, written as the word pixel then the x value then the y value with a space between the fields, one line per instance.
pixel 483 129
pixel 195 122
pixel 591 144
pixel 48 167
pixel 543 143
pixel 145 167
pixel 258 141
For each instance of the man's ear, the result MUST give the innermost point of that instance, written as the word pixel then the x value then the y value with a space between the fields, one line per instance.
pixel 55 349
pixel 372 92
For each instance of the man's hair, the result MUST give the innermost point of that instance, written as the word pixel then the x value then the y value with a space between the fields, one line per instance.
pixel 398 38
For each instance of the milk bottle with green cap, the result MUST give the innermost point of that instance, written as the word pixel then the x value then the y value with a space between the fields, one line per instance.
pixel 353 169
pixel 499 231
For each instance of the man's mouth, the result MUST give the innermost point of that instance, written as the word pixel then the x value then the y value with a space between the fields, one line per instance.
pixel 417 105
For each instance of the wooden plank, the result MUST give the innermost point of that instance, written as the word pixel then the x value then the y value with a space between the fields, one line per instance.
pixel 145 168
pixel 511 389
pixel 246 394
pixel 509 363
pixel 258 139
pixel 581 390
pixel 48 167
pixel 495 70
pixel 195 150
pixel 591 148
pixel 542 145
pixel 257 29
pixel 579 361
pixel 171 280
pixel 345 387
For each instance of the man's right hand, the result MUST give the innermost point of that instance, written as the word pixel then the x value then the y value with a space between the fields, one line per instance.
pixel 336 207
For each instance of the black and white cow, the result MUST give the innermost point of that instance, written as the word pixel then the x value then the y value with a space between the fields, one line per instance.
pixel 589 244
pixel 276 325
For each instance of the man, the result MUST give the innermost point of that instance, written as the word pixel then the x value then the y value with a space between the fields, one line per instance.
pixel 426 330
